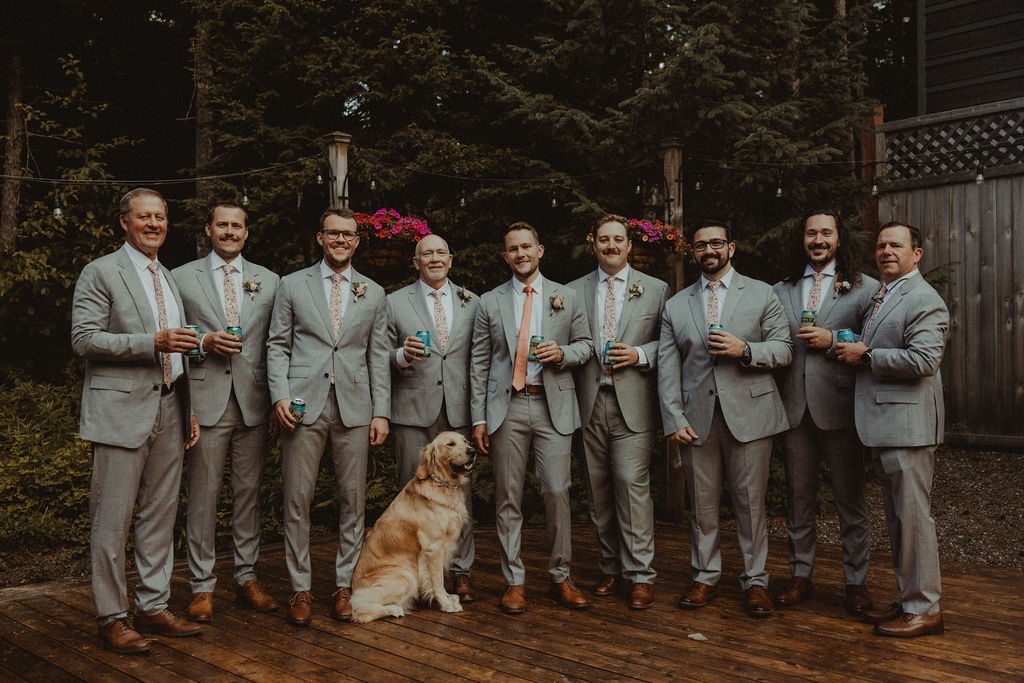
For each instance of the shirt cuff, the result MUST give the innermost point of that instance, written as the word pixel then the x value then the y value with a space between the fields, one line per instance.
pixel 400 360
pixel 641 360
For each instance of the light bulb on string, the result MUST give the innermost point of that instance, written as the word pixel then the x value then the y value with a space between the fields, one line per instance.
pixel 462 199
pixel 874 189
pixel 373 183
pixel 57 213
pixel 319 179
pixel 638 190
pixel 980 178
pixel 778 191
pixel 698 185
pixel 245 195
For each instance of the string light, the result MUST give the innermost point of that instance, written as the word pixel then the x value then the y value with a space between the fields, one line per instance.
pixel 874 189
pixel 554 199
pixel 319 179
pixel 698 185
pixel 980 178
pixel 373 183
pixel 57 213
pixel 462 199
pixel 638 190
pixel 778 190
pixel 245 194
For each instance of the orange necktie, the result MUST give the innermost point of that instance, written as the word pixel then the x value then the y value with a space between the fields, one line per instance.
pixel 523 342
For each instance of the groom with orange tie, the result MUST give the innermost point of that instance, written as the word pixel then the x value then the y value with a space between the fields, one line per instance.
pixel 524 402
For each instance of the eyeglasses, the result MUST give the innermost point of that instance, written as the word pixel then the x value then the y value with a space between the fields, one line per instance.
pixel 334 235
pixel 716 243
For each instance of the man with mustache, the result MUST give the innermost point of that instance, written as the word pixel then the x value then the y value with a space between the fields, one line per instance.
pixel 818 394
pixel 899 413
pixel 618 395
pixel 128 324
pixel 522 405
pixel 721 338
pixel 328 346
pixel 232 404
pixel 430 393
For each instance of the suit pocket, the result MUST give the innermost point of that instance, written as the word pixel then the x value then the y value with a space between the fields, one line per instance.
pixel 895 396
pixel 361 376
pixel 196 373
pixel 110 383
pixel 765 386
pixel 566 384
pixel 260 376
pixel 298 371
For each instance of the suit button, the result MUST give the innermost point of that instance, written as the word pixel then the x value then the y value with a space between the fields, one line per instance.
pixel 227 372
pixel 156 387
pixel 438 382
pixel 327 375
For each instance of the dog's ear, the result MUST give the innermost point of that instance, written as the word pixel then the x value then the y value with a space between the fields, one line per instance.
pixel 426 465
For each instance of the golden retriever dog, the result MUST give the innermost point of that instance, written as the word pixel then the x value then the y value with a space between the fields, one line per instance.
pixel 407 551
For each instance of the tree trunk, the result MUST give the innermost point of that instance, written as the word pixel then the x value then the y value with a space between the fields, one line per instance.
pixel 11 192
pixel 204 123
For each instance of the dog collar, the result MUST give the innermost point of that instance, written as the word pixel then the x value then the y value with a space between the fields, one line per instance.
pixel 438 482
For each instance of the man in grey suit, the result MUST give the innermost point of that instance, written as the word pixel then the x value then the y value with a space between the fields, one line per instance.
pixel 618 396
pixel 523 400
pixel 430 393
pixel 818 393
pixel 719 400
pixel 899 415
pixel 231 402
pixel 127 323
pixel 329 347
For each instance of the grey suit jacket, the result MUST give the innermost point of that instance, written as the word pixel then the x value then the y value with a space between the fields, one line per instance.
pixel 639 325
pixel 899 397
pixel 418 391
pixel 213 377
pixel 494 350
pixel 302 355
pixel 688 382
pixel 816 381
pixel 112 328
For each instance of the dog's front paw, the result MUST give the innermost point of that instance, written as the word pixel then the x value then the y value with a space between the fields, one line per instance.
pixel 450 604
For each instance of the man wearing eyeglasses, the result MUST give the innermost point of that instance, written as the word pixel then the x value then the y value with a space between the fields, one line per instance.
pixel 329 347
pixel 721 337
pixel 430 389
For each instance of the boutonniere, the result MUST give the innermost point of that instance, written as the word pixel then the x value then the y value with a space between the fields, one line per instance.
pixel 252 287
pixel 636 289
pixel 557 304
pixel 464 295
pixel 842 288
pixel 358 290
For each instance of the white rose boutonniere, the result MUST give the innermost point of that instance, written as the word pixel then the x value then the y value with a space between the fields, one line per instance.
pixel 635 290
pixel 464 295
pixel 557 304
pixel 358 290
pixel 842 287
pixel 252 287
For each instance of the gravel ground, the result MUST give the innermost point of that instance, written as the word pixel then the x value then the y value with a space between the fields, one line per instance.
pixel 977 503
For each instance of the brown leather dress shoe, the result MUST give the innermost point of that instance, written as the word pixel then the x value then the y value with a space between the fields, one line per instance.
pixel 300 609
pixel 858 600
pixel 119 637
pixel 514 600
pixel 568 595
pixel 464 589
pixel 911 626
pixel 697 595
pixel 642 596
pixel 253 594
pixel 342 610
pixel 757 602
pixel 797 590
pixel 201 608
pixel 166 624
pixel 610 584
pixel 893 610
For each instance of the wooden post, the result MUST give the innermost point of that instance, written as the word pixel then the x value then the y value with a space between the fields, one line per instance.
pixel 672 156
pixel 870 171
pixel 337 157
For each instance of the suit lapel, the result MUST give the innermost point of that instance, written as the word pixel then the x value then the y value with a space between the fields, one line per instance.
pixel 507 310
pixel 418 304
pixel 353 312
pixel 627 304
pixel 243 306
pixel 732 299
pixel 700 320
pixel 890 304
pixel 206 279
pixel 316 293
pixel 130 277
pixel 796 305
pixel 590 303
pixel 828 300
pixel 547 318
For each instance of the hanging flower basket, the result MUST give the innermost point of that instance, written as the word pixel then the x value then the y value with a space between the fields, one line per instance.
pixel 385 237
pixel 653 241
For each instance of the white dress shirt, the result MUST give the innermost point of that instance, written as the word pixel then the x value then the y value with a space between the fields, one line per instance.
pixel 723 291
pixel 427 292
pixel 218 264
pixel 346 286
pixel 827 283
pixel 141 263
pixel 540 305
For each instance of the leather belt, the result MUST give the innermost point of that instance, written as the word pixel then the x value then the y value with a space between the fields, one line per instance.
pixel 530 389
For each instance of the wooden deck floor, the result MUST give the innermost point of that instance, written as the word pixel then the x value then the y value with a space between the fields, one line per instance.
pixel 47 632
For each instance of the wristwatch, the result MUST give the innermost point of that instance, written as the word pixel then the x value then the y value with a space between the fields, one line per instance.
pixel 747 356
pixel 865 358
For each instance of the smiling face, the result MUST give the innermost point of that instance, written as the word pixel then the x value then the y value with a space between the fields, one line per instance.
pixel 432 260
pixel 339 238
pixel 713 260
pixel 895 254
pixel 612 246
pixel 821 240
pixel 522 254
pixel 145 225
pixel 227 232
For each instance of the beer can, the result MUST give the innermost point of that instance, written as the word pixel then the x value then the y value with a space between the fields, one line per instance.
pixel 808 318
pixel 534 341
pixel 845 335
pixel 608 347
pixel 297 408
pixel 715 326
pixel 193 353
pixel 424 337
pixel 235 330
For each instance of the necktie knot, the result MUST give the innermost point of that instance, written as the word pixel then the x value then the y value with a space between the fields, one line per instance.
pixel 153 268
pixel 337 278
pixel 713 286
pixel 229 269
pixel 528 289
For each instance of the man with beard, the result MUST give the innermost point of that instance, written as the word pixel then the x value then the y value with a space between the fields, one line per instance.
pixel 818 394
pixel 523 400
pixel 231 402
pixel 329 346
pixel 618 396
pixel 721 338
pixel 430 393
